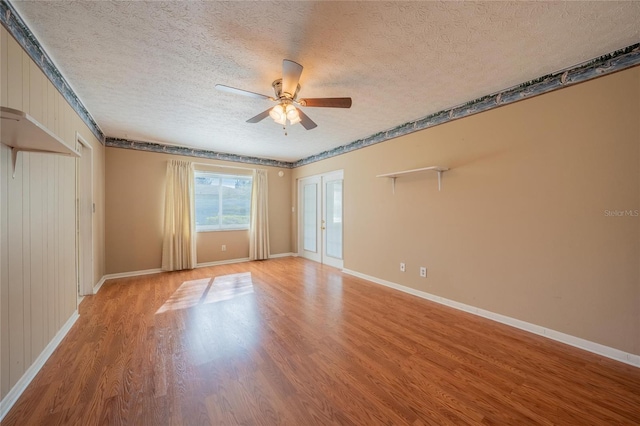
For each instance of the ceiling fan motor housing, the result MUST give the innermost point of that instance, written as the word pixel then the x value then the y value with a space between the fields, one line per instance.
pixel 277 89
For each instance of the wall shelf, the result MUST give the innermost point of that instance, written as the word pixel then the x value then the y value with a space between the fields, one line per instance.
pixel 393 176
pixel 21 132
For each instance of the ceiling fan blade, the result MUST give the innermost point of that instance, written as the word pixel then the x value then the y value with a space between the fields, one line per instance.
pixel 259 117
pixel 235 91
pixel 306 122
pixel 291 72
pixel 326 102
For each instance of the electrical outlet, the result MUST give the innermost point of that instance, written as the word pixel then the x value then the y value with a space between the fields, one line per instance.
pixel 423 272
pixel 224 247
pixel 402 267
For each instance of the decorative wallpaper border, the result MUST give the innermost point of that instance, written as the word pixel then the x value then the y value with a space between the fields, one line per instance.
pixel 192 152
pixel 607 64
pixel 19 30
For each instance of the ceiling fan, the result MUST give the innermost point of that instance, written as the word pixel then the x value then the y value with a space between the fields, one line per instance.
pixel 286 90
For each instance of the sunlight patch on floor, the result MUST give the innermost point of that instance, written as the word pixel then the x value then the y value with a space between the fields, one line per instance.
pixel 208 290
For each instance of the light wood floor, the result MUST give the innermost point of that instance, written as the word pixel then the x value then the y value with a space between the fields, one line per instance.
pixel 287 341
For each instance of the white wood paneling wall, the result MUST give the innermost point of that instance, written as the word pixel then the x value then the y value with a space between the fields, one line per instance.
pixel 38 291
pixel 38 282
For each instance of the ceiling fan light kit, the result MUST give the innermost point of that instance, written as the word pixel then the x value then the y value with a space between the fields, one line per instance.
pixel 283 112
pixel 286 90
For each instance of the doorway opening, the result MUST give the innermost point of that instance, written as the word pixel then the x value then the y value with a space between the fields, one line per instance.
pixel 85 209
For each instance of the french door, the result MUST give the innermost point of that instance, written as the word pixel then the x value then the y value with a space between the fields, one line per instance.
pixel 320 219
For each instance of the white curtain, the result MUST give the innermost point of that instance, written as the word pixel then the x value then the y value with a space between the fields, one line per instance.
pixel 259 230
pixel 179 244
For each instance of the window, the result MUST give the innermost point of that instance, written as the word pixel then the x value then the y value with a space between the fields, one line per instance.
pixel 222 201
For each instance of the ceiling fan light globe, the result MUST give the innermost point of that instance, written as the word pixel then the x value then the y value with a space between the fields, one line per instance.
pixel 294 120
pixel 282 120
pixel 292 113
pixel 276 112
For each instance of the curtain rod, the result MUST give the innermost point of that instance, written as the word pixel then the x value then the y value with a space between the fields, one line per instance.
pixel 225 167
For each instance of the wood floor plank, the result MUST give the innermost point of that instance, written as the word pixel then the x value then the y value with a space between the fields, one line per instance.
pixel 291 342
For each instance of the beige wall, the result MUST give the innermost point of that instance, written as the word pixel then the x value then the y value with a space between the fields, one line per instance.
pixel 520 227
pixel 135 207
pixel 210 246
pixel 38 247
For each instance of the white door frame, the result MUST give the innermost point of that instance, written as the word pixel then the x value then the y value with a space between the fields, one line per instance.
pixel 320 255
pixel 84 234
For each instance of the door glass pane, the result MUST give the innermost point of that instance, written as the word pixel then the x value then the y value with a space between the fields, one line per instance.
pixel 310 217
pixel 334 218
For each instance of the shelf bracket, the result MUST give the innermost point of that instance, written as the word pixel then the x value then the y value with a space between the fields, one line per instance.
pixel 439 180
pixel 14 160
pixel 393 185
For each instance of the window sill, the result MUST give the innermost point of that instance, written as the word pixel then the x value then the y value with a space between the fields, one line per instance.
pixel 221 230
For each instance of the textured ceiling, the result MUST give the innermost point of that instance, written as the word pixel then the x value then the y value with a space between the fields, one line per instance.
pixel 146 70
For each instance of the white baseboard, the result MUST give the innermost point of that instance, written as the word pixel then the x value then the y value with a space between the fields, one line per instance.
pixel 106 277
pixel 275 256
pixel 223 262
pixel 597 348
pixel 15 392
pixel 98 286
pixel 130 274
